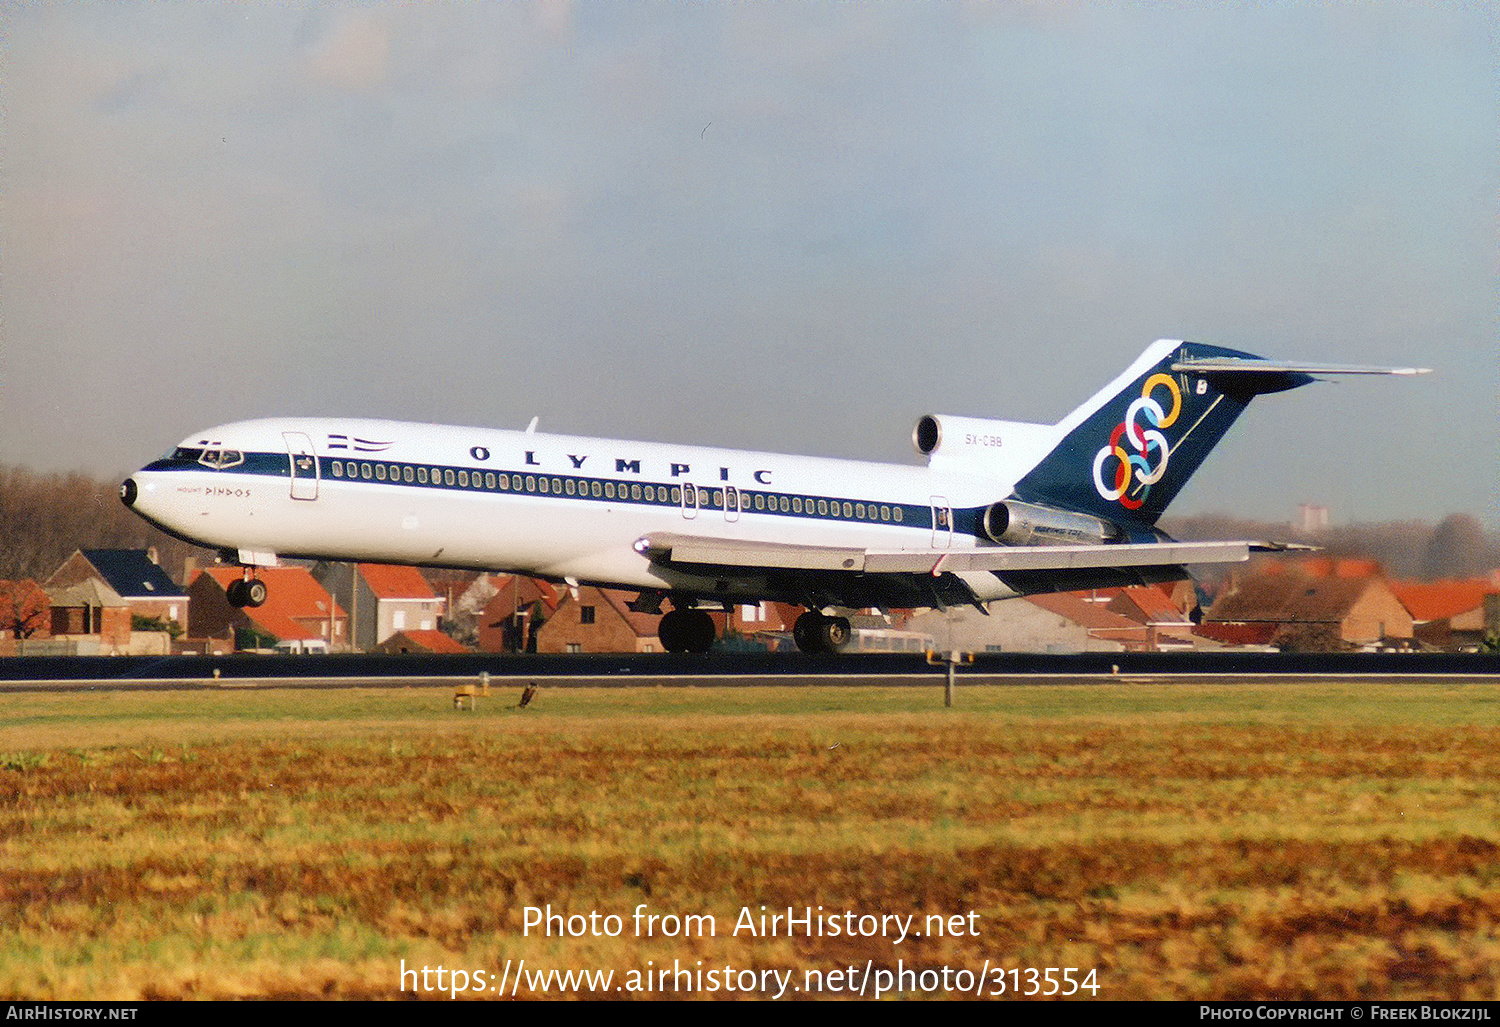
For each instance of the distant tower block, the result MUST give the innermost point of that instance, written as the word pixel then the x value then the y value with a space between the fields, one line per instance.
pixel 1314 518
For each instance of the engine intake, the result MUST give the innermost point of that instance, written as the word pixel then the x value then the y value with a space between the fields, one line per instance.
pixel 1012 523
pixel 981 442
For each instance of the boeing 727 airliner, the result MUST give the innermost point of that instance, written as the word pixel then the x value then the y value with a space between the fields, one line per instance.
pixel 1001 509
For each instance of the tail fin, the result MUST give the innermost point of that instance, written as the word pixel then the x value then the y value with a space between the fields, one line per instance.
pixel 1127 452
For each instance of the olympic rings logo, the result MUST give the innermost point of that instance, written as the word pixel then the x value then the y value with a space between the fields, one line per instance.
pixel 1147 442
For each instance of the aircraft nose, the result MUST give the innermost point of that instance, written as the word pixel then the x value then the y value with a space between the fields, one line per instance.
pixel 128 492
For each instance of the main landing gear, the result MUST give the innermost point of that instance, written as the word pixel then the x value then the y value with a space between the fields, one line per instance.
pixel 246 591
pixel 686 631
pixel 817 633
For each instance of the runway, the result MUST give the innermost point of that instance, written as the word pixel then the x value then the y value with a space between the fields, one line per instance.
pixel 22 674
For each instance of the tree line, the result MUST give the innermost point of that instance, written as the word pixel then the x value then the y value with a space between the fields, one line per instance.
pixel 1457 547
pixel 45 517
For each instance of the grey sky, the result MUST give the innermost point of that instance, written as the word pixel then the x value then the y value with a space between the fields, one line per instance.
pixel 777 226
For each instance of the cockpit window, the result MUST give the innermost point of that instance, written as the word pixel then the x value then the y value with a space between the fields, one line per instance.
pixel 218 459
pixel 185 453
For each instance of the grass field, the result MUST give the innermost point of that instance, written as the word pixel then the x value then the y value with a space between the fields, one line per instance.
pixel 1331 841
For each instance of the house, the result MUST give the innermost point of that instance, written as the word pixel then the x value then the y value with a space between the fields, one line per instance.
pixel 1140 618
pixel 1061 622
pixel 88 618
pixel 1088 613
pixel 766 625
pixel 131 574
pixel 382 599
pixel 599 620
pixel 1161 614
pixel 296 607
pixel 514 612
pixel 1451 614
pixel 1291 610
pixel 415 640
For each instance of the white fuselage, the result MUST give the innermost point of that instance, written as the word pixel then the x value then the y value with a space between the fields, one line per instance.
pixel 553 506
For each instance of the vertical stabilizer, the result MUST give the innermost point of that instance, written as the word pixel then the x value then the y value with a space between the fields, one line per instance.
pixel 1128 451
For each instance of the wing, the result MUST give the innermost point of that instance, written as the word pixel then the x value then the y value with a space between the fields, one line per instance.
pixel 697 552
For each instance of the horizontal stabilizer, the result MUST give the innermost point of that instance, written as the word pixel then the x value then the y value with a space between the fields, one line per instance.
pixel 1243 365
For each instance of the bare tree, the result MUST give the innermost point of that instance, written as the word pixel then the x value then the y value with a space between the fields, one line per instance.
pixel 45 517
pixel 1456 549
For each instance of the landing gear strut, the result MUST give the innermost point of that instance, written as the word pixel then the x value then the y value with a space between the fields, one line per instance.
pixel 686 631
pixel 816 633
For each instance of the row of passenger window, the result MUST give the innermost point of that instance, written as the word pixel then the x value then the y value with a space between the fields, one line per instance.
pixel 542 485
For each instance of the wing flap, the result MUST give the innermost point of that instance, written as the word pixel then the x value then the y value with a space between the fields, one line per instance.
pixel 695 550
pixel 1052 558
pixel 726 552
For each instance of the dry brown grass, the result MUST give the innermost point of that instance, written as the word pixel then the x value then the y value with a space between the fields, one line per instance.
pixel 1214 844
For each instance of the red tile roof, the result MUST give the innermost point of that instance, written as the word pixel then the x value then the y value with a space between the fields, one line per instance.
pixel 293 597
pixel 529 589
pixel 1074 607
pixel 642 624
pixel 1326 567
pixel 391 582
pixel 1147 604
pixel 1435 600
pixel 422 642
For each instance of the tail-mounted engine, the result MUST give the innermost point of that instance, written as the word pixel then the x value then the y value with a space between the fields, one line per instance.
pixel 1012 523
pixel 980 443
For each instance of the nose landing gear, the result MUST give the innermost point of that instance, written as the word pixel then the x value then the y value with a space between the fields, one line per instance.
pixel 247 591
